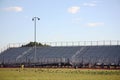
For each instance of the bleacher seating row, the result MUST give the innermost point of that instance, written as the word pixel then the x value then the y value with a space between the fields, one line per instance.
pixel 74 55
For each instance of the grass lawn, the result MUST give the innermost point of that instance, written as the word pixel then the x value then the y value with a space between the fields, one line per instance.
pixel 58 74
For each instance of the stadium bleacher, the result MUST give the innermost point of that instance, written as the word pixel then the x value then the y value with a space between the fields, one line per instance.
pixel 74 55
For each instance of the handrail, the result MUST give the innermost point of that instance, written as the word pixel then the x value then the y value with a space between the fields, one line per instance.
pixel 68 43
pixel 84 43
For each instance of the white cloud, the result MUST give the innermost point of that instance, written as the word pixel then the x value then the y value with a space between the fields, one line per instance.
pixel 95 24
pixel 14 9
pixel 74 9
pixel 90 4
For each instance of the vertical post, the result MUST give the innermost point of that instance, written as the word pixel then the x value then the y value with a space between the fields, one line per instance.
pixel 97 43
pixel 110 42
pixel 78 43
pixel 84 43
pixel 61 44
pixel 34 19
pixel 66 43
pixel 55 43
pixel 72 43
pixel 35 39
pixel 104 42
pixel 117 42
pixel 91 43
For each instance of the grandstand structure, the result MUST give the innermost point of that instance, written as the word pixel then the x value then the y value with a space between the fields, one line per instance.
pixel 91 54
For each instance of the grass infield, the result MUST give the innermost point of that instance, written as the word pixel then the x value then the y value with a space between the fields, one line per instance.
pixel 57 74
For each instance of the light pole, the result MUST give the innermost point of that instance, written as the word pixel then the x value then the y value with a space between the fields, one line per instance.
pixel 34 19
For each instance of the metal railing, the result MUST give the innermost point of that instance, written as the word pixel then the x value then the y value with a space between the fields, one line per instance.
pixel 70 43
pixel 11 45
pixel 84 43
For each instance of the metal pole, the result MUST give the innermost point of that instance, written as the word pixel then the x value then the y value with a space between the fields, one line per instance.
pixel 35 39
pixel 34 19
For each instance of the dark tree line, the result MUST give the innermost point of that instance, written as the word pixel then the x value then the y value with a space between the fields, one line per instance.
pixel 32 44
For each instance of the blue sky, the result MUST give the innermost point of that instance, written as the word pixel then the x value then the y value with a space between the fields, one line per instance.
pixel 61 20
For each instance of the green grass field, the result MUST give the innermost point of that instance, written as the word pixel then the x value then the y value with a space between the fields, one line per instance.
pixel 58 74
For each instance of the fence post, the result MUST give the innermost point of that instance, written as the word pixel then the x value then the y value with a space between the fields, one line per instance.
pixel 66 43
pixel 84 43
pixel 61 43
pixel 118 42
pixel 55 43
pixel 104 43
pixel 78 43
pixel 110 42
pixel 91 43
